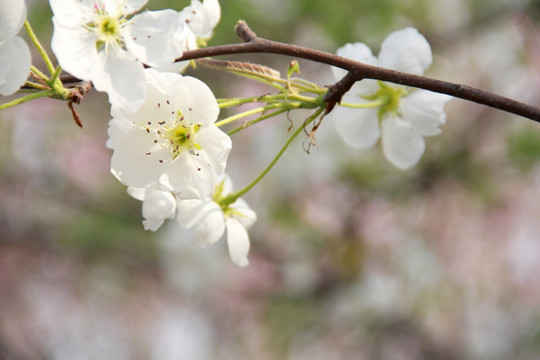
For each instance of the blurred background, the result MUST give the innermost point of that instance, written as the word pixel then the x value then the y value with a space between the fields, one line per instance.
pixel 351 258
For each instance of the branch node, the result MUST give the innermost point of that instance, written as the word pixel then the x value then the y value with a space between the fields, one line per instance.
pixel 244 32
pixel 335 92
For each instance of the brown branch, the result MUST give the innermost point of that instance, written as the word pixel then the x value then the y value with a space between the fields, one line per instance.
pixel 359 71
pixel 336 91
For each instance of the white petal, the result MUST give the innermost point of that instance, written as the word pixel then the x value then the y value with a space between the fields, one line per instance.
pixel 194 98
pixel 406 50
pixel 136 193
pixel 71 13
pixel 216 145
pixel 157 207
pixel 157 38
pixel 188 175
pixel 358 52
pixel 238 242
pixel 155 106
pixel 425 111
pixel 129 162
pixel 15 64
pixel 131 6
pixel 75 49
pixel 211 229
pixel 119 8
pixel 175 67
pixel 192 211
pixel 205 216
pixel 123 78
pixel 247 216
pixel 12 16
pixel 359 128
pixel 361 88
pixel 202 18
pixel 213 10
pixel 402 145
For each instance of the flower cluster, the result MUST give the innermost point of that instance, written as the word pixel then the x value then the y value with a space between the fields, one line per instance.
pixel 15 57
pixel 104 42
pixel 168 148
pixel 172 156
pixel 404 115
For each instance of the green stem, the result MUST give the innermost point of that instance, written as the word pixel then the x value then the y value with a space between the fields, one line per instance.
pixel 225 103
pixel 34 86
pixel 231 198
pixel 54 78
pixel 257 110
pixel 38 72
pixel 27 98
pixel 254 121
pixel 273 83
pixel 307 86
pixel 39 47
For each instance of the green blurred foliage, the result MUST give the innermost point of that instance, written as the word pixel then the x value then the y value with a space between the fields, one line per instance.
pixel 524 147
pixel 290 315
pixel 108 236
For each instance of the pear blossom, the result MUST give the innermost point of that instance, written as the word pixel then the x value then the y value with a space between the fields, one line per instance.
pixel 96 40
pixel 210 220
pixel 171 142
pixel 404 115
pixel 15 59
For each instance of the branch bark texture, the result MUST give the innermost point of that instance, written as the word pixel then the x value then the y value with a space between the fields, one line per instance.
pixel 358 71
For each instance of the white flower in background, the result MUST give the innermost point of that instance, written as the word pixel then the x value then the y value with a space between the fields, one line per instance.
pixel 210 220
pixel 95 40
pixel 15 59
pixel 157 206
pixel 171 142
pixel 200 18
pixel 405 114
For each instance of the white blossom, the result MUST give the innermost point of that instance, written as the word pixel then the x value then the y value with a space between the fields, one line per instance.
pixel 171 142
pixel 210 219
pixel 15 59
pixel 96 40
pixel 405 114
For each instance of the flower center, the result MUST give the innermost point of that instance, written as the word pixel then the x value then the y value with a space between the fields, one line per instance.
pixel 108 29
pixel 182 136
pixel 389 97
